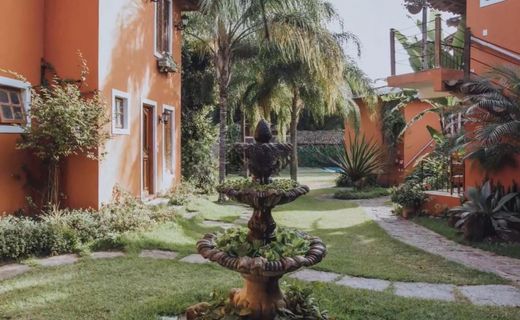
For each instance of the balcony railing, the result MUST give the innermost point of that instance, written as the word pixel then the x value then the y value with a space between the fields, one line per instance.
pixel 440 53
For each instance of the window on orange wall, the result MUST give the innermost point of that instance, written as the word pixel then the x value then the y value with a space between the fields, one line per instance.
pixel 169 137
pixel 120 112
pixel 11 106
pixel 163 27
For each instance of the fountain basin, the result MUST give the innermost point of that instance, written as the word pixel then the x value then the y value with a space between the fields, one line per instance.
pixel 260 266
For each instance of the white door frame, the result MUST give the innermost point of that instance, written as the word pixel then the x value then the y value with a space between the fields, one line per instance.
pixel 152 104
pixel 169 176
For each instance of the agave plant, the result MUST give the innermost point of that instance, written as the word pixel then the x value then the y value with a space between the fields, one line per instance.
pixel 485 213
pixel 494 111
pixel 358 160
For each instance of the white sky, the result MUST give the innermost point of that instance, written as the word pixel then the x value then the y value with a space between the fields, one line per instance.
pixel 371 21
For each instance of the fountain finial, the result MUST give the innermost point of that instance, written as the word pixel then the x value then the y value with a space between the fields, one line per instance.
pixel 263 132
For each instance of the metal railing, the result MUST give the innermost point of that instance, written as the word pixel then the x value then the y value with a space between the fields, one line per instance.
pixel 440 53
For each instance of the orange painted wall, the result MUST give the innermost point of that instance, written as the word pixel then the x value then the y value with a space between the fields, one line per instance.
pixel 129 33
pixel 71 26
pixel 22 23
pixel 415 138
pixel 501 22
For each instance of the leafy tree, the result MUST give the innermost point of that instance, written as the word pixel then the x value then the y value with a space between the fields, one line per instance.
pixel 65 122
pixel 198 131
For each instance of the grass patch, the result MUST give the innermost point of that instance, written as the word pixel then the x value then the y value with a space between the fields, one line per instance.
pixel 208 208
pixel 357 246
pixel 142 289
pixel 367 193
pixel 440 226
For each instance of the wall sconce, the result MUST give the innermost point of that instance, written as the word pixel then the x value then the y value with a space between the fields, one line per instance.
pixel 165 117
pixel 181 25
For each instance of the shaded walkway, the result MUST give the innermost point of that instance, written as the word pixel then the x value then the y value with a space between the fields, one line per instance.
pixel 429 241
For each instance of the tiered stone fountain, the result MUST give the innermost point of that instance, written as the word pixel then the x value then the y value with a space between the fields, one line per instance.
pixel 261 293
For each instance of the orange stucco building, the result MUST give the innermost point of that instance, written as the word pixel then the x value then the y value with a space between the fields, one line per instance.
pixel 415 142
pixel 133 51
pixel 490 40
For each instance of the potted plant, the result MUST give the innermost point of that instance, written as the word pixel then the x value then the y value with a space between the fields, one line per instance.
pixel 410 196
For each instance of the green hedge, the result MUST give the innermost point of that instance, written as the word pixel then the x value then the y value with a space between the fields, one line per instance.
pixel 315 156
pixel 368 193
pixel 66 231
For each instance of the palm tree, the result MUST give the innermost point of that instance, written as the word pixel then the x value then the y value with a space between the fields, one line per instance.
pixel 305 67
pixel 230 29
pixel 494 114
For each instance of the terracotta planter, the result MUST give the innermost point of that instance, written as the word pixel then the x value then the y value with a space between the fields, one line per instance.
pixel 408 212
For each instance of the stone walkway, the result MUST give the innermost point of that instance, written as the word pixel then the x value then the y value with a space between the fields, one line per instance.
pixel 429 241
pixel 485 295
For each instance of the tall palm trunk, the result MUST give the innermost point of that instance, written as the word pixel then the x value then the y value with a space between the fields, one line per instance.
pixel 223 64
pixel 295 110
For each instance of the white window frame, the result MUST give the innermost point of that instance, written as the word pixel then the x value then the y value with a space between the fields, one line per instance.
pixel 126 97
pixel 25 89
pixel 174 141
pixel 158 54
pixel 485 3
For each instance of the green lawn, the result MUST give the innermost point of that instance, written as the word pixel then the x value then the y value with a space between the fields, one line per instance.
pixel 136 288
pixel 141 289
pixel 441 227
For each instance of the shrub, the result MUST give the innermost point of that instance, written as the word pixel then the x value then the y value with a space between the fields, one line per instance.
pixel 359 160
pixel 487 212
pixel 409 195
pixel 64 231
pixel 181 194
pixel 367 193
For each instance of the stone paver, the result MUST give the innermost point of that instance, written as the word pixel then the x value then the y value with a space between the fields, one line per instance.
pixel 220 224
pixel 428 291
pixel 494 295
pixel 194 258
pixel 429 241
pixel 107 254
pixel 57 260
pixel 315 276
pixel 12 270
pixel 158 254
pixel 364 283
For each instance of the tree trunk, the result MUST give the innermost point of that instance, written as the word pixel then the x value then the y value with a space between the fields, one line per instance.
pixel 245 169
pixel 223 63
pixel 53 185
pixel 294 132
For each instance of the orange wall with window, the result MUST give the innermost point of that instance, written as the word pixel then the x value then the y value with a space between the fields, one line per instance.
pixel 21 52
pixel 129 32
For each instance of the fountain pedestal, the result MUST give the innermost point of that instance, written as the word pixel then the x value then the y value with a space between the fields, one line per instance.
pixel 261 297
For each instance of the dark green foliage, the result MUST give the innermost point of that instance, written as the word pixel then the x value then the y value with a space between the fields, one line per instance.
pixel 409 195
pixel 301 305
pixel 234 156
pixel 359 160
pixel 366 193
pixel 488 211
pixel 316 156
pixel 494 110
pixel 288 243
pixel 243 184
pixel 393 123
pixel 199 133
